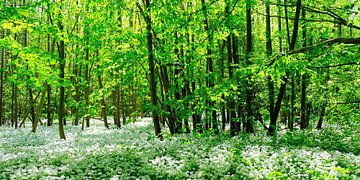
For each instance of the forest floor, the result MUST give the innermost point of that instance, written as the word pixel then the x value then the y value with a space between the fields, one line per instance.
pixel 133 151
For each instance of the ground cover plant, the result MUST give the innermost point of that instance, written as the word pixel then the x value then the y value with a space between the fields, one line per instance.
pixel 134 152
pixel 179 89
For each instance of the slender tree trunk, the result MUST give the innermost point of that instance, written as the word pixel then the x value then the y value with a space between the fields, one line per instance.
pixel 292 100
pixel 177 71
pixel 2 82
pixel 87 92
pixel 249 89
pixel 231 102
pixel 103 101
pixel 287 24
pixel 285 78
pixel 304 123
pixel 325 102
pixel 77 73
pixel 115 102
pixel 162 92
pixel 221 63
pixel 123 106
pixel 166 85
pixel 322 114
pixel 269 53
pixel 62 79
pixel 239 107
pixel 117 106
pixel 154 101
pixel 39 109
pixel 209 62
pixel 49 111
pixel 287 116
pixel 30 91
pixel 185 92
pixel 14 106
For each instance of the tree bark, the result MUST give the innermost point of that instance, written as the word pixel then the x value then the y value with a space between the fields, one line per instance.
pixel 39 109
pixel 62 79
pixel 2 82
pixel 269 53
pixel 304 123
pixel 149 38
pixel 249 89
pixel 209 62
pixel 281 93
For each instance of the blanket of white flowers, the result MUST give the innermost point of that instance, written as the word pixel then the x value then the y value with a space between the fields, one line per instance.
pixel 133 152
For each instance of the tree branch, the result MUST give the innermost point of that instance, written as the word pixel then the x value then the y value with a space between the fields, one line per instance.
pixel 329 43
pixel 337 65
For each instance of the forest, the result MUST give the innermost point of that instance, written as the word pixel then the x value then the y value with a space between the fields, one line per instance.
pixel 180 89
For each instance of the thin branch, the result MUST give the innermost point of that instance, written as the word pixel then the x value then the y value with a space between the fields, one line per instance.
pixel 337 65
pixel 329 42
pixel 76 22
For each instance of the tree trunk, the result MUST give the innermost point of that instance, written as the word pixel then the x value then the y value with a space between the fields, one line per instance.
pixel 30 91
pixel 324 103
pixel 166 85
pixel 155 116
pixel 86 119
pixel 304 123
pixel 39 109
pixel 115 101
pixel 209 62
pixel 272 130
pixel 103 108
pixel 178 121
pixel 123 106
pixel 62 79
pixel 2 82
pixel 49 111
pixel 292 100
pixel 249 89
pixel 231 101
pixel 269 53
pixel 14 104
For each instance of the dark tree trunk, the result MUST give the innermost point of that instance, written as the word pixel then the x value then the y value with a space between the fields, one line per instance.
pixel 178 121
pixel 14 104
pixel 324 103
pixel 103 108
pixel 87 93
pixel 292 100
pixel 304 123
pixel 249 89
pixel 209 62
pixel 154 101
pixel 231 101
pixel 269 53
pixel 166 86
pixel 49 111
pixel 62 79
pixel 123 106
pixel 115 100
pixel 272 130
pixel 30 91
